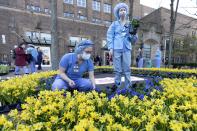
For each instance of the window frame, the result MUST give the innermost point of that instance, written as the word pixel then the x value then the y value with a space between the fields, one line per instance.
pixel 107 8
pixel 96 5
pixel 77 40
pixel 3 39
pixel 71 2
pixel 82 3
pixel 69 15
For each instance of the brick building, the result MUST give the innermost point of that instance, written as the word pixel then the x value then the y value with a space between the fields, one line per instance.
pixel 29 21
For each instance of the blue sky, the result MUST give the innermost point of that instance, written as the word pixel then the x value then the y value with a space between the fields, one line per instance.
pixel 187 7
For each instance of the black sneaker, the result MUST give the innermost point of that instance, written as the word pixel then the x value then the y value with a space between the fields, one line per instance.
pixel 114 88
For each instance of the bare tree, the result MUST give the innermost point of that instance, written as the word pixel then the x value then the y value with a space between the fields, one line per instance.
pixel 54 38
pixel 131 2
pixel 131 8
pixel 172 28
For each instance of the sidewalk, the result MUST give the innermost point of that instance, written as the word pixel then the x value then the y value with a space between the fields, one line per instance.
pixel 100 78
pixel 11 74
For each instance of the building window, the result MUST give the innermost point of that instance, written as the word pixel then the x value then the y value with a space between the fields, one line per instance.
pixel 145 14
pixel 96 5
pixel 104 43
pixel 3 39
pixel 37 9
pixel 147 51
pixel 81 17
pixel 167 43
pixel 35 36
pixel 76 40
pixel 68 1
pixel 107 22
pixel 46 10
pixel 95 20
pixel 81 3
pixel 45 37
pixel 33 8
pixel 28 7
pixel 68 14
pixel 107 8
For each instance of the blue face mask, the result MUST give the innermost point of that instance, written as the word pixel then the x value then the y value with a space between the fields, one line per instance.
pixel 85 56
pixel 122 13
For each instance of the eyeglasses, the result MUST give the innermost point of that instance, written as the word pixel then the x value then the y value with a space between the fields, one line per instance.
pixel 88 52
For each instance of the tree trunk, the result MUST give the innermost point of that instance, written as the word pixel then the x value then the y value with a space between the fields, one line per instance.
pixel 54 38
pixel 131 8
pixel 130 17
pixel 172 27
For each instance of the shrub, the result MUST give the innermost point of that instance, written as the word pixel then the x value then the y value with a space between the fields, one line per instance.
pixel 4 69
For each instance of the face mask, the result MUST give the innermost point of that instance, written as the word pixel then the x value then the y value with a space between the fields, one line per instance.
pixel 122 13
pixel 85 56
pixel 23 46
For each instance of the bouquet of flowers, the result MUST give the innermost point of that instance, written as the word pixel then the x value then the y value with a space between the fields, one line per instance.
pixel 134 25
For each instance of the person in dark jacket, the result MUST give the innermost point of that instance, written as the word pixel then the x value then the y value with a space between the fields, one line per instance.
pixel 20 59
pixel 39 58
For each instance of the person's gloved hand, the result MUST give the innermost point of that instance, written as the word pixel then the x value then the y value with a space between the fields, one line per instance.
pixel 111 52
pixel 134 31
pixel 71 83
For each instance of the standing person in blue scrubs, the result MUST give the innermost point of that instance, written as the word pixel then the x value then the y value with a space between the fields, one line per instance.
pixel 119 40
pixel 32 51
pixel 158 58
pixel 72 66
pixel 140 63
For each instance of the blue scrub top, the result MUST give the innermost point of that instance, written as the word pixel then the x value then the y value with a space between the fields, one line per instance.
pixel 72 69
pixel 158 54
pixel 119 38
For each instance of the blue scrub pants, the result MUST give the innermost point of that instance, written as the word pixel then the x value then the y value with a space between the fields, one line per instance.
pixel 140 63
pixel 33 66
pixel 121 65
pixel 157 63
pixel 17 70
pixel 81 84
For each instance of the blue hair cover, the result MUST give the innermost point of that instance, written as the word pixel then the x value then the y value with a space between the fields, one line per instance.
pixel 118 7
pixel 82 45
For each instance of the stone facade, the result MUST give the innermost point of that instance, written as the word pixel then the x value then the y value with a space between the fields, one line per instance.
pixel 155 27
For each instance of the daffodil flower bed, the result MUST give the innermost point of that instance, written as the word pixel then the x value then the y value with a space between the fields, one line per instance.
pixel 175 108
pixel 162 72
pixel 18 88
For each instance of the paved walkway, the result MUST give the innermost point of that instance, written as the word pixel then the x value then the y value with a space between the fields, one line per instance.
pixel 100 78
pixel 11 74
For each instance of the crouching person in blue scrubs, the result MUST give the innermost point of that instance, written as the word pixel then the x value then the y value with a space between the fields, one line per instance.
pixel 72 66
